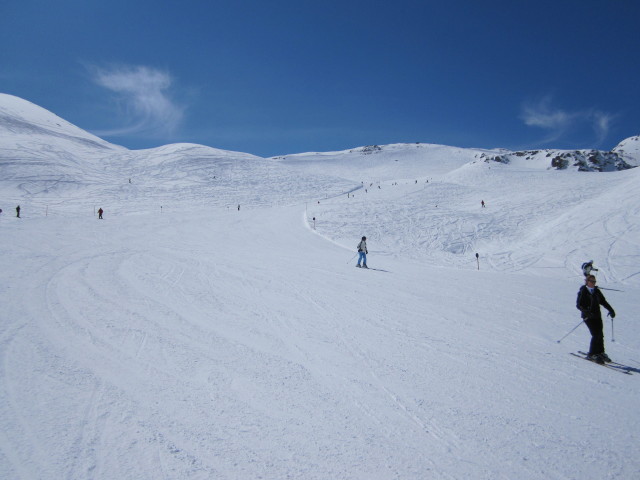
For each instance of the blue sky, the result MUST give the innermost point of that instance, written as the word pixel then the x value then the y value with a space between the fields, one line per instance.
pixel 278 77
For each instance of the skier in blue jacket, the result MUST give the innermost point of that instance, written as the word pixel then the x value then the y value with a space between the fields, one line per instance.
pixel 362 251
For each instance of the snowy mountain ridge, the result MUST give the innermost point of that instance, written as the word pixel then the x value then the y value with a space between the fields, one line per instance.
pixel 31 136
pixel 581 160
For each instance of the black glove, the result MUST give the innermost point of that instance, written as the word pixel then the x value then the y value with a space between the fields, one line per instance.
pixel 612 313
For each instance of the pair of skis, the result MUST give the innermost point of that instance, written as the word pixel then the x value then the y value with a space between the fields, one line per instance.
pixel 374 269
pixel 618 367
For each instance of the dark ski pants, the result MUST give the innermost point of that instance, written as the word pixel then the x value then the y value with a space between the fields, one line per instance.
pixel 597 337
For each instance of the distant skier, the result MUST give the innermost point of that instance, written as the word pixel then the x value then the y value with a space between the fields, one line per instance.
pixel 18 211
pixel 100 212
pixel 482 203
pixel 589 300
pixel 362 251
pixel 587 268
pixel 238 207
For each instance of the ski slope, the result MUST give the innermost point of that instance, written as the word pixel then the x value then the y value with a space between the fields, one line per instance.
pixel 183 338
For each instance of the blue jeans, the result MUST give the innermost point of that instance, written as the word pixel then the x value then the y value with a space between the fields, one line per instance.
pixel 363 256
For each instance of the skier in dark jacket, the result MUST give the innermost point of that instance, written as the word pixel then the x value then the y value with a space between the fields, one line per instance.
pixel 589 300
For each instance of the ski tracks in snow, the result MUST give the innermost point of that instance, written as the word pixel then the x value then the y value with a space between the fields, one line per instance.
pixel 234 349
pixel 331 313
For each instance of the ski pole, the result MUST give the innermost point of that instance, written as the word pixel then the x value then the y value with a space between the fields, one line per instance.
pixel 613 337
pixel 354 256
pixel 570 332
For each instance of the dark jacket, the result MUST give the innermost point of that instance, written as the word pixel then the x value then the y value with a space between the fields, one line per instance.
pixel 589 304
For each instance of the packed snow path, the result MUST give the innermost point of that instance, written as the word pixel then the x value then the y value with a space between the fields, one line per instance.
pixel 226 344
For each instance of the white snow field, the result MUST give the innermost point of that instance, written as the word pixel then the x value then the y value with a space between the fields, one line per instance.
pixel 184 338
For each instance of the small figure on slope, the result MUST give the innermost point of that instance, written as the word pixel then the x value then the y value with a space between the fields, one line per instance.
pixel 589 300
pixel 587 268
pixel 100 212
pixel 362 253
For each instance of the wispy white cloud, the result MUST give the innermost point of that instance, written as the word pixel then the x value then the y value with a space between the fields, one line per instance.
pixel 602 124
pixel 561 123
pixel 143 98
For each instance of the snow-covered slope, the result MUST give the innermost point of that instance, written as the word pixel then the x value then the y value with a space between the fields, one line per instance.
pixel 41 151
pixel 22 121
pixel 200 341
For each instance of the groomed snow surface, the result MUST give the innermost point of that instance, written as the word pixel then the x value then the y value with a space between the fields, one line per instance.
pixel 184 338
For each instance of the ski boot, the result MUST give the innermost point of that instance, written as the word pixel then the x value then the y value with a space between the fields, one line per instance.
pixel 596 357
